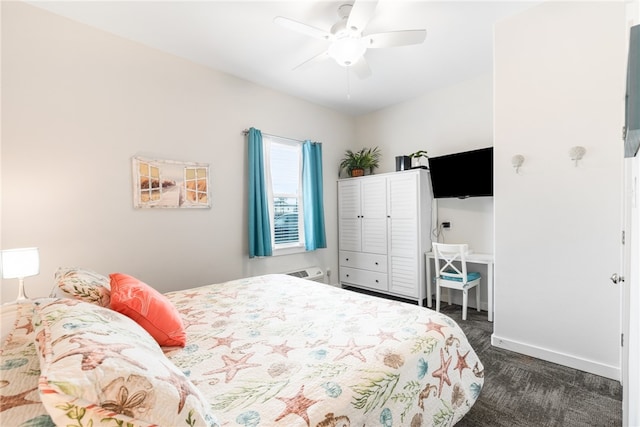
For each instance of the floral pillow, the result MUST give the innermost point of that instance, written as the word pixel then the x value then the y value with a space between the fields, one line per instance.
pixel 82 284
pixel 98 367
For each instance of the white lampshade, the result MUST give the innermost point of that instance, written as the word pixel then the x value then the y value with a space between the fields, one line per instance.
pixel 20 263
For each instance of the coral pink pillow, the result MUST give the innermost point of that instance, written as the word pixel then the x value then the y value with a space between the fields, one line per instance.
pixel 149 308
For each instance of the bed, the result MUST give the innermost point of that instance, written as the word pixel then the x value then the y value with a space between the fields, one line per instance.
pixel 271 350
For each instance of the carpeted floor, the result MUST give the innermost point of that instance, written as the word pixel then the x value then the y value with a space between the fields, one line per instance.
pixel 521 391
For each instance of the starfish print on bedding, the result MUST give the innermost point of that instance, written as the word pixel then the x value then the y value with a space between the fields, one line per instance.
pixel 190 294
pixel 225 313
pixel 94 353
pixel 231 295
pixel 8 402
pixel 232 366
pixel 188 322
pixel 219 341
pixel 297 404
pixel 281 349
pixel 432 326
pixel 182 385
pixel 186 310
pixel 369 309
pixel 351 349
pixel 462 362
pixel 384 336
pixel 442 373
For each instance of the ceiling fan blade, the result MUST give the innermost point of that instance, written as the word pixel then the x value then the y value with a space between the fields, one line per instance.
pixel 361 69
pixel 360 15
pixel 315 59
pixel 396 38
pixel 305 29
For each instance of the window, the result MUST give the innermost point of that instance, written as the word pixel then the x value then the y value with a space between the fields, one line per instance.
pixel 280 171
pixel 150 190
pixel 195 180
pixel 283 164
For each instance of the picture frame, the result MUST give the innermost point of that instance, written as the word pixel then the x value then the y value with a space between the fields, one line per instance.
pixel 170 184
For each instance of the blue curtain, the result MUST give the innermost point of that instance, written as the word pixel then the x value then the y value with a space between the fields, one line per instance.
pixel 314 234
pixel 259 225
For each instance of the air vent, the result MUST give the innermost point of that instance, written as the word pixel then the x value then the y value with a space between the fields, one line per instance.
pixel 312 273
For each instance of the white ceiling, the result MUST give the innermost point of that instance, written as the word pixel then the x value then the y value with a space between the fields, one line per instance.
pixel 240 38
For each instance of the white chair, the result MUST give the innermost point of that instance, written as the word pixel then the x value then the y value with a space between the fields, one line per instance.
pixel 451 276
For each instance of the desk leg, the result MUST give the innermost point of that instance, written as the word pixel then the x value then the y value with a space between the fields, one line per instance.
pixel 428 280
pixel 490 290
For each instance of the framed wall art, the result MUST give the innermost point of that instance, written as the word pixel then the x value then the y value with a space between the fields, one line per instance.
pixel 170 184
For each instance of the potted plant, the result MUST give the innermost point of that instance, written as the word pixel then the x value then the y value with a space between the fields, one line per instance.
pixel 356 162
pixel 417 159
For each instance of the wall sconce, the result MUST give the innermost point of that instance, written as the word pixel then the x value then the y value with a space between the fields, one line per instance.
pixel 517 161
pixel 576 153
pixel 18 264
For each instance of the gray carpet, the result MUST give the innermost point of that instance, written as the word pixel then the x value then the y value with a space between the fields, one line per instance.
pixel 523 391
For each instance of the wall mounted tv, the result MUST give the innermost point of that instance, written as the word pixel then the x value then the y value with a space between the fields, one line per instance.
pixel 462 175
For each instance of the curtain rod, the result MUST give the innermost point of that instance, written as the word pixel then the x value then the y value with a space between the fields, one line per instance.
pixel 245 132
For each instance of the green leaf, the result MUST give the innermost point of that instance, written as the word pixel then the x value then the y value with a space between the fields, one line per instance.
pixel 375 392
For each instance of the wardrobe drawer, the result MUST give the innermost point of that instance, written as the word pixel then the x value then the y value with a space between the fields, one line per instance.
pixel 372 262
pixel 363 278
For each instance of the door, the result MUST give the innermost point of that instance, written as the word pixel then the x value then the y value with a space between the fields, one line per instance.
pixel 403 234
pixel 373 193
pixel 631 295
pixel 349 226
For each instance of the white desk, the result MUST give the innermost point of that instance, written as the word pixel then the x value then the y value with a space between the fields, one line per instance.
pixel 472 258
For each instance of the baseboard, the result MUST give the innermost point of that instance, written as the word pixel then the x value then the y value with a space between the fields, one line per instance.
pixel 574 362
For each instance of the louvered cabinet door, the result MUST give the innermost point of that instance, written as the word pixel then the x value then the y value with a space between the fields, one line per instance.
pixel 349 223
pixel 373 194
pixel 404 256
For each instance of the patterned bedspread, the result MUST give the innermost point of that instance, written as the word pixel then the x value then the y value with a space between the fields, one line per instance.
pixel 280 351
pixel 265 351
pixel 19 369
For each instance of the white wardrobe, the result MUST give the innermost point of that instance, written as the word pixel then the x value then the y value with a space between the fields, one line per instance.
pixel 384 230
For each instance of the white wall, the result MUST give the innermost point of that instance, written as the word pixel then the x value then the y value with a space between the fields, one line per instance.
pixel 78 103
pixel 452 119
pixel 560 75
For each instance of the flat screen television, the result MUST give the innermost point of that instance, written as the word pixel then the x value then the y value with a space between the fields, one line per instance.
pixel 462 175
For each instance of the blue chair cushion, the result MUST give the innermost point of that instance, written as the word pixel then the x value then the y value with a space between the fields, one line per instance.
pixel 470 277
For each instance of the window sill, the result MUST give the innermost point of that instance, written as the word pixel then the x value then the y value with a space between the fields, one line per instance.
pixel 295 248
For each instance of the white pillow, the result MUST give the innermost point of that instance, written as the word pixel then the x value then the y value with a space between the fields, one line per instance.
pixel 99 366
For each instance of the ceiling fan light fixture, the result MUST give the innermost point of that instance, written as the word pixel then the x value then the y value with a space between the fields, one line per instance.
pixel 347 51
pixel 347 44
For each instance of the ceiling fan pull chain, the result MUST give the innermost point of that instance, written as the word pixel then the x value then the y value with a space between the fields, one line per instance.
pixel 348 84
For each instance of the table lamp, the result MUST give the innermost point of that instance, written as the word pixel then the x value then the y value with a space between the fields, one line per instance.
pixel 20 263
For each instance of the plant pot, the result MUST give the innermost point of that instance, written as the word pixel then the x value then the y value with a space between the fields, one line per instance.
pixel 357 172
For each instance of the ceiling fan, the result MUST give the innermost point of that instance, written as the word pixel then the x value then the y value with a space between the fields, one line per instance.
pixel 347 43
